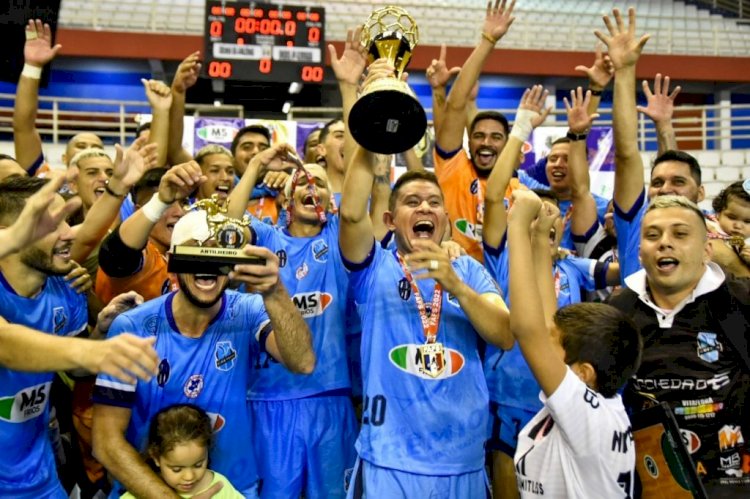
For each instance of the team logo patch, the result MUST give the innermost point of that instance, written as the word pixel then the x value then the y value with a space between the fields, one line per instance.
pixel 731 465
pixel 691 440
pixel 282 258
pixel 708 347
pixel 27 404
pixel 320 251
pixel 312 304
pixel 453 300
pixel 149 325
pixel 193 386
pixel 302 271
pixel 429 364
pixel 59 319
pixel 404 289
pixel 469 229
pixel 651 466
pixel 217 421
pixel 163 376
pixel 474 187
pixel 226 355
pixel 730 437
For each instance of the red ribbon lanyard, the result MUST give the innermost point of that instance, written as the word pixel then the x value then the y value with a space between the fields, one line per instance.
pixel 429 325
pixel 313 192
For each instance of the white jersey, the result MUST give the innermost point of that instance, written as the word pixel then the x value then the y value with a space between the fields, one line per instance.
pixel 580 445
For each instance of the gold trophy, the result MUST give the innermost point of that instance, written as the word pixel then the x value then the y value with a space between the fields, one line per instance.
pixel 387 118
pixel 223 249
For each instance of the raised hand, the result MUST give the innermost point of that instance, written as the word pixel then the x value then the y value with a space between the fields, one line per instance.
pixel 119 304
pixel 579 120
pixel 187 73
pixel 601 72
pixel 380 68
pixel 180 181
pixel 524 207
pixel 623 47
pixel 430 261
pixel 158 93
pixel 130 164
pixel 438 74
pixel 533 99
pixel 38 49
pixel 548 214
pixel 276 158
pixel 660 103
pixel 350 66
pixel 498 19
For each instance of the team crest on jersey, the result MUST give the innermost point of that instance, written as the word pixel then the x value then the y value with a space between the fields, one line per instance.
pixel 320 251
pixel 708 347
pixel 193 386
pixel 27 404
pixel 302 271
pixel 312 304
pixel 691 440
pixel 217 421
pixel 469 229
pixel 225 354
pixel 164 370
pixel 474 187
pixel 149 325
pixel 651 468
pixel 404 289
pixel 59 319
pixel 282 258
pixel 413 359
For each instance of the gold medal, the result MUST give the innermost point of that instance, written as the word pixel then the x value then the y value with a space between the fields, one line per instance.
pixel 431 359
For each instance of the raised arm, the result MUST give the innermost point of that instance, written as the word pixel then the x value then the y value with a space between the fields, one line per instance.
pixel 159 97
pixel 37 52
pixel 356 233
pixel 528 318
pixel 579 123
pixel 498 18
pixel 438 75
pixel 624 51
pixel 540 236
pixel 599 75
pixel 660 108
pixel 184 78
pixel 381 193
pixel 531 113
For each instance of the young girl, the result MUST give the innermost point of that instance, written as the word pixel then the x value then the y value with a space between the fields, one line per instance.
pixel 732 207
pixel 178 443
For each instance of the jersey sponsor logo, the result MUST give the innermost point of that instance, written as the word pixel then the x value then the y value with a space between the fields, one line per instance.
pixel 700 468
pixel 409 358
pixel 150 323
pixel 704 408
pixel 730 436
pixel 27 404
pixel 217 133
pixel 621 440
pixel 302 271
pixel 530 486
pixel 193 386
pixel 59 319
pixel 474 187
pixel 691 441
pixel 469 229
pixel 282 258
pixel 591 398
pixel 717 382
pixel 731 465
pixel 404 289
pixel 217 421
pixel 708 347
pixel 651 468
pixel 226 355
pixel 163 376
pixel 312 304
pixel 320 251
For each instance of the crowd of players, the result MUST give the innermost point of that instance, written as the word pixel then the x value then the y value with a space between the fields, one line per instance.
pixel 439 306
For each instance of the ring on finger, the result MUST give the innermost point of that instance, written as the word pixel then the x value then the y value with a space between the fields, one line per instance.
pixel 433 264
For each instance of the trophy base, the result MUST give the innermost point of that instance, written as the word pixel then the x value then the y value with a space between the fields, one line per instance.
pixel 387 120
pixel 208 260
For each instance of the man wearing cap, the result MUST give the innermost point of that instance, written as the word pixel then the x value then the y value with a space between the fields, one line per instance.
pixel 205 337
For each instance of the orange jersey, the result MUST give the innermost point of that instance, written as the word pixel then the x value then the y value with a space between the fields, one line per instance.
pixel 264 208
pixel 150 282
pixel 464 191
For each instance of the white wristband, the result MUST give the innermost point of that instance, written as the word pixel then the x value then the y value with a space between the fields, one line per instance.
pixel 522 127
pixel 155 208
pixel 32 72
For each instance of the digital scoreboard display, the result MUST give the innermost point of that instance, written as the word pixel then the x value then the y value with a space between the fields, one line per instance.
pixel 264 42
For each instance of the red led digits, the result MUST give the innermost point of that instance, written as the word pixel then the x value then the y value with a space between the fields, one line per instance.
pixel 265 66
pixel 312 73
pixel 220 69
pixel 313 35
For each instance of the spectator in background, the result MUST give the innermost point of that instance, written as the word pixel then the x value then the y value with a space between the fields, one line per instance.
pixel 311 145
pixel 732 208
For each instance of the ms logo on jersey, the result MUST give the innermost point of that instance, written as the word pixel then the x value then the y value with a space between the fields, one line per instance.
pixel 59 319
pixel 225 355
pixel 312 304
pixel 404 289
pixel 193 386
pixel 26 404
pixel 708 347
pixel 426 365
pixel 217 421
pixel 469 229
pixel 320 251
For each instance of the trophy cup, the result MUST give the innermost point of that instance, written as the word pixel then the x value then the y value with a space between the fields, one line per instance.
pixel 221 251
pixel 387 118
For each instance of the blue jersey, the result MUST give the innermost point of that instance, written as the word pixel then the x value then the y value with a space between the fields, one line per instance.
pixel 567 238
pixel 415 418
pixel 211 372
pixel 628 227
pixel 509 378
pixel 27 465
pixel 313 273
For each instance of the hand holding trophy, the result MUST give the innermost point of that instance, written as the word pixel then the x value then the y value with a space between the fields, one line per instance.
pixel 387 118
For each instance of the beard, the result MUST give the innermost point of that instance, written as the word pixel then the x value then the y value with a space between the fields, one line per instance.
pixel 195 300
pixel 42 262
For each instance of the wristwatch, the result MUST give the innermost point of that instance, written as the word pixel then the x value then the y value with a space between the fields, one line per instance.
pixel 576 136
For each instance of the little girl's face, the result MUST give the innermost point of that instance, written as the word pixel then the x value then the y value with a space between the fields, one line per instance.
pixel 735 218
pixel 184 467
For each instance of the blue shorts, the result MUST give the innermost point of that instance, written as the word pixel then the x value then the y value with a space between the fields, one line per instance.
pixel 370 481
pixel 304 445
pixel 507 423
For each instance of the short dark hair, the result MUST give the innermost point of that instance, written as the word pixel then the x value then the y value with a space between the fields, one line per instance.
pixel 736 190
pixel 604 337
pixel 547 194
pixel 149 181
pixel 142 128
pixel 14 191
pixel 682 157
pixel 326 129
pixel 561 140
pixel 178 424
pixel 259 129
pixel 490 115
pixel 411 176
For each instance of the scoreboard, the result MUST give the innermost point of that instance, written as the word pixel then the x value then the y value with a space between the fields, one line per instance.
pixel 264 42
